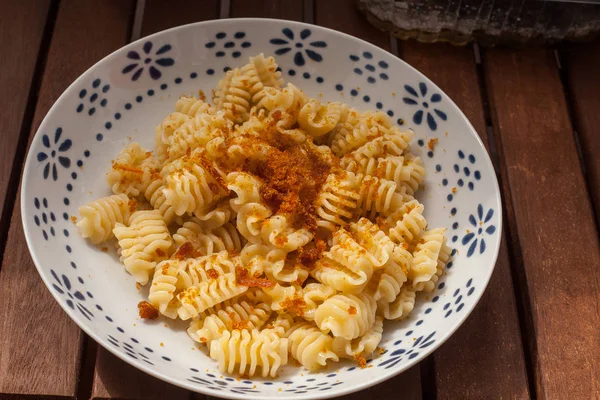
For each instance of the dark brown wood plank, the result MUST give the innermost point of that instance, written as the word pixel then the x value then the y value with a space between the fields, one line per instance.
pixel 583 64
pixel 549 212
pixel 117 379
pixel 160 15
pixel 40 347
pixel 21 30
pixel 484 358
pixel 282 9
pixel 344 16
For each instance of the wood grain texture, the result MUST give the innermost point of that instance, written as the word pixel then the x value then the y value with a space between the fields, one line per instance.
pixel 344 16
pixel 549 212
pixel 484 358
pixel 117 379
pixel 583 64
pixel 21 29
pixel 160 15
pixel 39 351
pixel 282 9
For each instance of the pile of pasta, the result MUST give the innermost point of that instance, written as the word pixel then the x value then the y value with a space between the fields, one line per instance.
pixel 274 223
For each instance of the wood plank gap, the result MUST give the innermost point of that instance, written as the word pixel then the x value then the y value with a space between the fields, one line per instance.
pixel 564 79
pixel 224 8
pixel 515 253
pixel 394 45
pixel 308 11
pixel 21 150
pixel 87 368
pixel 483 89
pixel 138 18
pixel 428 381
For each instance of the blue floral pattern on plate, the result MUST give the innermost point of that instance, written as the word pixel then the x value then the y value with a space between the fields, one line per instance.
pixel 142 59
pixel 482 227
pixel 53 154
pixel 289 42
pixel 419 99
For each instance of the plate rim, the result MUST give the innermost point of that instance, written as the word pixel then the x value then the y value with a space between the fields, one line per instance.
pixel 259 396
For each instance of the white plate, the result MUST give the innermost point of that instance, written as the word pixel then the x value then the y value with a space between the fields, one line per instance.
pixel 129 92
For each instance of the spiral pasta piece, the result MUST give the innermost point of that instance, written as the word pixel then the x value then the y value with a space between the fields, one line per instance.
pixel 277 231
pixel 143 243
pixel 289 99
pixel 154 194
pixel 233 96
pixel 394 143
pixel 319 119
pixel 261 73
pixel 242 315
pixel 244 351
pixel 346 316
pixel 196 299
pixel 337 201
pixel 163 288
pixel 164 131
pixel 442 261
pixel 248 204
pixel 131 171
pixel 309 346
pixel 377 195
pixel 425 260
pixel 209 241
pixel 194 185
pixel 193 106
pixel 374 240
pixel 401 307
pixel 197 132
pixel 99 217
pixel 346 266
pixel 271 260
pixel 362 346
pixel 409 223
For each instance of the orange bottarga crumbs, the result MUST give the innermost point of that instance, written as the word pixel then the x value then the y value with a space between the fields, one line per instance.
pixel 104 249
pixel 160 253
pixel 201 95
pixel 308 255
pixel 351 310
pixel 454 190
pixel 147 310
pixel 132 205
pixel 212 273
pixel 243 278
pixel 432 142
pixel 184 251
pixel 404 245
pixel 292 178
pixel 360 360
pixel 295 305
pixel 127 168
pixel 73 219
pixel 239 325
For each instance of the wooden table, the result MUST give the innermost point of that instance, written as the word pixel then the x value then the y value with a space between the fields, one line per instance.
pixel 535 332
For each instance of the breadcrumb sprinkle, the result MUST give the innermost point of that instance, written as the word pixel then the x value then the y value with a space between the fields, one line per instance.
pixel 147 310
pixel 432 142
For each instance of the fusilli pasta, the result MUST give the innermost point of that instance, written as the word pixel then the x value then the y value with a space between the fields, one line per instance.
pixel 274 223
